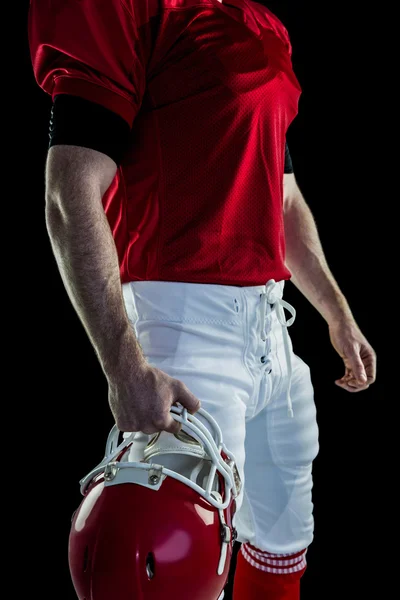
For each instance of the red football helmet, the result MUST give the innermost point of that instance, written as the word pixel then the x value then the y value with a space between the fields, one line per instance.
pixel 160 527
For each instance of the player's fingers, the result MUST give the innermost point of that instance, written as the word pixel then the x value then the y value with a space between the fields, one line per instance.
pixel 172 426
pixel 346 385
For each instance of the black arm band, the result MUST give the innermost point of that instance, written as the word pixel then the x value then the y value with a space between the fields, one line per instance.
pixel 288 161
pixel 79 122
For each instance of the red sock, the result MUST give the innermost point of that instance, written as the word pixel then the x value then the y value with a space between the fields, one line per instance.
pixel 261 575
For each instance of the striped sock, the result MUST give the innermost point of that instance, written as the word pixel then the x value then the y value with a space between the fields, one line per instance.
pixel 263 575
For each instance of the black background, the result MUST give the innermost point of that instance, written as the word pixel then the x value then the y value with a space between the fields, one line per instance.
pixel 338 168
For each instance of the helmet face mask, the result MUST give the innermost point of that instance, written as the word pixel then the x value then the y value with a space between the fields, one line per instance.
pixel 194 440
pixel 158 517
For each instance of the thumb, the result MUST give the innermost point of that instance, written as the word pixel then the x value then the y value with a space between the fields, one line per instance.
pixel 357 366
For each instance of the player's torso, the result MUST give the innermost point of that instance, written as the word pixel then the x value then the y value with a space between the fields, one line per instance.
pixel 208 54
pixel 220 95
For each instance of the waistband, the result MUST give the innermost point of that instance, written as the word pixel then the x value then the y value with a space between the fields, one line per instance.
pixel 271 299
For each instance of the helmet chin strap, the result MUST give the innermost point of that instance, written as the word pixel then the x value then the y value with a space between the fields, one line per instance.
pixel 226 536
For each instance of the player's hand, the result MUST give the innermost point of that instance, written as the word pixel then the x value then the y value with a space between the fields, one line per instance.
pixel 358 356
pixel 140 400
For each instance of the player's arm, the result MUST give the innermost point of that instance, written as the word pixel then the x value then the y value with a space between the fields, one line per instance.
pixel 84 249
pixel 305 257
pixel 96 79
pixel 311 275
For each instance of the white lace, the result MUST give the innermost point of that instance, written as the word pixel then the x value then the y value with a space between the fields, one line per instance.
pixel 273 295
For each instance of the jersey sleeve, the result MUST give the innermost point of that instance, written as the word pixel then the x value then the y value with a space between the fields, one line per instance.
pixel 90 49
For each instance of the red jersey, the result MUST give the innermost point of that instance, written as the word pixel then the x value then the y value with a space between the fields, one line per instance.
pixel 209 91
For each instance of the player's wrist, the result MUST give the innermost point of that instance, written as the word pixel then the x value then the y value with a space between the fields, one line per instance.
pixel 337 313
pixel 124 351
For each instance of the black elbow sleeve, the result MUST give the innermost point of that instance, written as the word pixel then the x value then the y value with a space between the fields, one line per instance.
pixel 79 122
pixel 288 161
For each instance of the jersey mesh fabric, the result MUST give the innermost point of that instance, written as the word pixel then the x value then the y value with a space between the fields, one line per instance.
pixel 209 91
